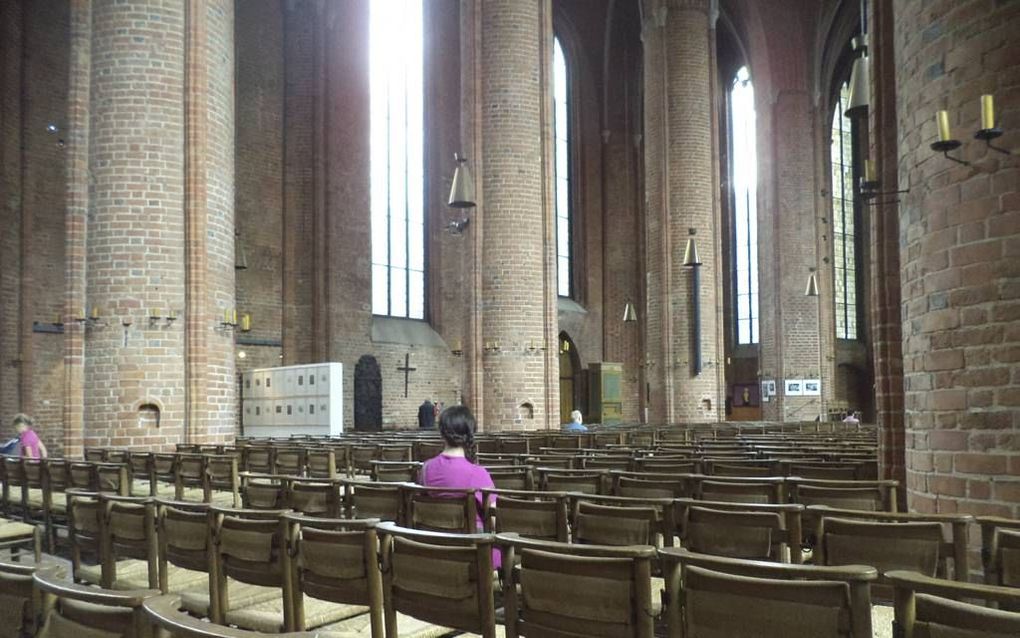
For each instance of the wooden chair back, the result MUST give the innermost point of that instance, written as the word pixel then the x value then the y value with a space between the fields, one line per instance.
pixel 337 561
pixel 183 531
pixel 583 481
pixel 512 477
pixel 582 590
pixel 221 476
pixel 190 476
pixel 257 459
pixel 113 478
pixel 164 612
pixel 263 492
pixel 928 607
pixel 290 461
pixel 1000 550
pixel 322 463
pixel 730 490
pixel 248 546
pixel 84 528
pixel 885 545
pixel 395 471
pixel 716 596
pixel 870 496
pixel 78 610
pixel 21 604
pixel 94 454
pixel 539 515
pixel 443 579
pixel 645 485
pixel 738 533
pixel 128 531
pixel 450 510
pixel 314 497
pixel 384 501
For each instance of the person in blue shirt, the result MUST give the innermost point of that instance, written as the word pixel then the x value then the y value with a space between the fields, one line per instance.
pixel 576 423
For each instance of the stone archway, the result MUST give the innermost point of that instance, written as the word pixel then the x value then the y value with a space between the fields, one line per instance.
pixel 571 382
pixel 367 394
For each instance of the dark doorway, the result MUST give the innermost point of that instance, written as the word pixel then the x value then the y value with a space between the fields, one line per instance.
pixel 367 395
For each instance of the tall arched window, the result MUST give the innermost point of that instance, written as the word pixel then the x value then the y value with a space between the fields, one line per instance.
pixel 744 178
pixel 564 218
pixel 396 60
pixel 843 219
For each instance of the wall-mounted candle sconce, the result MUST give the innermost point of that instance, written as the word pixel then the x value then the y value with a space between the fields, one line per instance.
pixel 491 347
pixel 534 348
pixel 988 132
pixel 869 187
pixel 629 313
pixel 246 322
pixel 156 317
pixel 458 348
pixel 229 321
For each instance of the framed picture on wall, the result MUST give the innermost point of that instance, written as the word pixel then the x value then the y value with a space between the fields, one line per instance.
pixel 812 387
pixel 794 387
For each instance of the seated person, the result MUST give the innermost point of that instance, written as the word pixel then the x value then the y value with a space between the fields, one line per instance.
pixel 576 423
pixel 454 466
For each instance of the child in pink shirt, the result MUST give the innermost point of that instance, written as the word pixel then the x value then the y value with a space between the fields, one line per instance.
pixel 31 446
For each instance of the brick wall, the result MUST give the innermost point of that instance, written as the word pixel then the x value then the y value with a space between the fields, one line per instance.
pixel 960 239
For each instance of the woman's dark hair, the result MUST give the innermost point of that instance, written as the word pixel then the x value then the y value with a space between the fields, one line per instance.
pixel 457 427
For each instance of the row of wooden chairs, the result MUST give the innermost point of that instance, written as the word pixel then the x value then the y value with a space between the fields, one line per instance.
pixel 406 582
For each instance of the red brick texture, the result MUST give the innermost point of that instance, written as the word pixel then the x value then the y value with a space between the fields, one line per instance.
pixel 680 181
pixel 520 385
pixel 960 253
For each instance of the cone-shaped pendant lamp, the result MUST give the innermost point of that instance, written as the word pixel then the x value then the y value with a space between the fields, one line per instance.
pixel 240 256
pixel 860 80
pixel 691 256
pixel 629 313
pixel 462 192
pixel 812 285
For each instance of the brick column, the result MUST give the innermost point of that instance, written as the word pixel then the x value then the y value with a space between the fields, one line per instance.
pixel 11 73
pixel 886 327
pixel 209 219
pixel 680 196
pixel 151 113
pixel 960 254
pixel 518 303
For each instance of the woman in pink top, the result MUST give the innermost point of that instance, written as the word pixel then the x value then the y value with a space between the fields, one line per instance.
pixel 31 446
pixel 454 466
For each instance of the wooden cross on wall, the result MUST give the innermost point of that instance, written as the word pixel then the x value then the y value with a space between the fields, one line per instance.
pixel 407 370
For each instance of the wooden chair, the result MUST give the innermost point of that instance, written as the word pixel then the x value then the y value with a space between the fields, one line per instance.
pixel 745 468
pixel 442 579
pixel 395 471
pixel 263 491
pixel 185 554
pixel 20 603
pixel 512 477
pixel 336 561
pixel 871 496
pixel 425 450
pixel 222 482
pixel 564 589
pixel 142 480
pixel 889 541
pixel 927 607
pixel 94 454
pixel 739 530
pixel 1000 550
pixel 257 459
pixel 717 596
pixel 322 463
pixel 657 464
pixel 384 501
pixel 190 482
pixel 314 497
pixel 78 610
pixel 449 510
pixel 396 452
pixel 290 461
pixel 736 490
pixel 362 457
pixel 14 488
pixel 563 480
pixel 164 475
pixel 621 520
pixel 650 485
pixel 530 514
pixel 85 535
pixel 128 547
